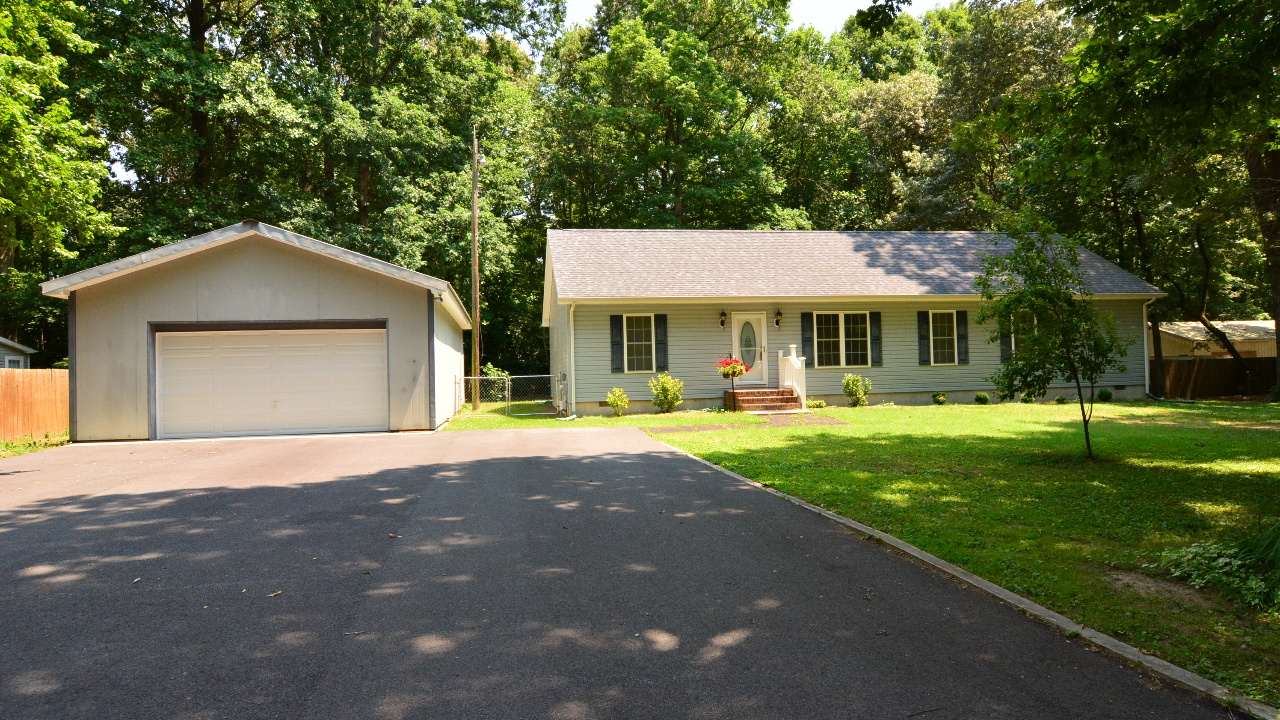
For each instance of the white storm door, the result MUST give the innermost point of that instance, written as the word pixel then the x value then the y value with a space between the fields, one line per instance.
pixel 270 382
pixel 749 346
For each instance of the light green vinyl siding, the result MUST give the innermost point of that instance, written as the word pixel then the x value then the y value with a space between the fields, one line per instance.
pixel 695 342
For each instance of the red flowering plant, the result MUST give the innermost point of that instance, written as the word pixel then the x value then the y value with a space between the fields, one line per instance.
pixel 731 368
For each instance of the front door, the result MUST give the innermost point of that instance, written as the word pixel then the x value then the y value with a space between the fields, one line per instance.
pixel 749 347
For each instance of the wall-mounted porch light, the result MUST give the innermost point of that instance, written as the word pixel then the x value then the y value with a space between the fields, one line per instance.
pixel 777 319
pixel 724 318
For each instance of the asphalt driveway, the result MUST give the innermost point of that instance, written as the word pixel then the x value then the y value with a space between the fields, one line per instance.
pixel 562 574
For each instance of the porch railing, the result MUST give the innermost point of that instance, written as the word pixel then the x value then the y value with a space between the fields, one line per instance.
pixel 791 374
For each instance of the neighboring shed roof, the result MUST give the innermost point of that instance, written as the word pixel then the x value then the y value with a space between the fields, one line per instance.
pixel 7 344
pixel 1236 330
pixel 632 264
pixel 63 286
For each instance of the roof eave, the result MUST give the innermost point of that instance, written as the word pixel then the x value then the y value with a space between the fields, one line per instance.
pixel 6 342
pixel 623 299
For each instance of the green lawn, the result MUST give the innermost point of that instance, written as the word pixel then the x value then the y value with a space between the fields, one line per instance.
pixel 1004 492
pixel 24 445
pixel 534 415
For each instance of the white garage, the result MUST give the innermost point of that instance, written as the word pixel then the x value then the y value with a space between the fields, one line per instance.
pixel 254 330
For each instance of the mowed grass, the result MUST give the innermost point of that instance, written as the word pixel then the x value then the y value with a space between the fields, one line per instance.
pixel 24 445
pixel 537 415
pixel 1005 492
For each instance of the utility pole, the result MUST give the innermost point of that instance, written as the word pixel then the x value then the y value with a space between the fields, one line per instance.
pixel 476 162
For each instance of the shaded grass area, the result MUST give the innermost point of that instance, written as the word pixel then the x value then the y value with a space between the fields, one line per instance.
pixel 24 445
pixel 1004 491
pixel 533 415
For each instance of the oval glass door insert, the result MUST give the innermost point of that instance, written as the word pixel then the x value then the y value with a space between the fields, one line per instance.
pixel 747 343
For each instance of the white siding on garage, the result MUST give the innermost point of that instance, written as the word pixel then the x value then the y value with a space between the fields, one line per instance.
pixel 696 341
pixel 215 384
pixel 248 280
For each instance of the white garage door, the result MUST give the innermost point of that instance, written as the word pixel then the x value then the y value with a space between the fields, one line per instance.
pixel 268 382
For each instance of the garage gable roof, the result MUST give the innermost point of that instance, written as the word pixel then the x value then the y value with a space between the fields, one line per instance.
pixel 63 286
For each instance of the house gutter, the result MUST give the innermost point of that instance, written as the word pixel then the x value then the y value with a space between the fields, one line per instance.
pixel 573 367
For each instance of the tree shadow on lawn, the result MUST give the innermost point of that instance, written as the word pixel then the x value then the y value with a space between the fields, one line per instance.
pixel 539 585
pixel 1147 489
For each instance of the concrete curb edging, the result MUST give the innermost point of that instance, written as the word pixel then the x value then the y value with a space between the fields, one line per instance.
pixel 1161 668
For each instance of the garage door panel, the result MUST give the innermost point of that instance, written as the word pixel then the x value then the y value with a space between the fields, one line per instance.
pixel 266 382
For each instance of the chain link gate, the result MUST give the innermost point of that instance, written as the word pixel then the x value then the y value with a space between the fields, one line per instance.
pixel 515 395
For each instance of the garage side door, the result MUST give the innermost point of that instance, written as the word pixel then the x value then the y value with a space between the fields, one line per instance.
pixel 268 382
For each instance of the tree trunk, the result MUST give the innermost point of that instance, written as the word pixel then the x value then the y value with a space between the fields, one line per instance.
pixel 197 27
pixel 1262 158
pixel 363 173
pixel 1202 315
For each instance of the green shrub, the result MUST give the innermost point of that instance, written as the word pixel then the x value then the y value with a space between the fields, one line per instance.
pixel 1275 393
pixel 618 400
pixel 666 391
pixel 1263 548
pixel 1105 395
pixel 1229 569
pixel 62 364
pixel 856 388
pixel 1028 398
pixel 939 398
pixel 489 370
pixel 982 399
pixel 1060 400
pixel 816 404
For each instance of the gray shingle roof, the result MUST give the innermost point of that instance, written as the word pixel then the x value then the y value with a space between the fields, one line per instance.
pixel 1236 330
pixel 748 263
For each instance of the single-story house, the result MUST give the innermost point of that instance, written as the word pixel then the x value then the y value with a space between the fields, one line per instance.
pixel 1252 338
pixel 15 356
pixel 255 330
pixel 898 308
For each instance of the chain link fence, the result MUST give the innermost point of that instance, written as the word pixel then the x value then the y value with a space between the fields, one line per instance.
pixel 515 395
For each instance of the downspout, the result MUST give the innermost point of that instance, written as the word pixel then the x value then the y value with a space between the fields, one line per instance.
pixel 573 367
pixel 432 376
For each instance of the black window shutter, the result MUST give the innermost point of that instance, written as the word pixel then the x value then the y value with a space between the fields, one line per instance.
pixel 806 338
pixel 615 343
pixel 877 356
pixel 962 337
pixel 1006 347
pixel 660 342
pixel 922 330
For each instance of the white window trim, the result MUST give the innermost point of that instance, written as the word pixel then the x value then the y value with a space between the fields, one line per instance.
pixel 840 323
pixel 955 340
pixel 653 346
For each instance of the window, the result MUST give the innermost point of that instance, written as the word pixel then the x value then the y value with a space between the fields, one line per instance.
pixel 1024 324
pixel 638 342
pixel 13 363
pixel 826 328
pixel 942 326
pixel 857 339
pixel 842 339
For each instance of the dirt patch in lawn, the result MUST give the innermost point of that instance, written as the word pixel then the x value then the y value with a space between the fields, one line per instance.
pixel 774 421
pixel 1158 587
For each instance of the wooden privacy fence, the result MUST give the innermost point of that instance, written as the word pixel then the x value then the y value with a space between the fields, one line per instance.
pixel 33 402
pixel 1190 378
